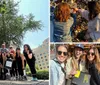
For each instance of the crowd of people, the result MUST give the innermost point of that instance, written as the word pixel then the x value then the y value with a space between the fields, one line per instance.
pixel 64 14
pixel 68 62
pixel 13 63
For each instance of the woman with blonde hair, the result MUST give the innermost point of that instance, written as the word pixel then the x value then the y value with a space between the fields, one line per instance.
pixel 57 72
pixel 93 65
pixel 70 68
pixel 80 57
pixel 63 23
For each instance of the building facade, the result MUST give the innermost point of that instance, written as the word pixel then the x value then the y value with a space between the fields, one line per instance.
pixel 42 55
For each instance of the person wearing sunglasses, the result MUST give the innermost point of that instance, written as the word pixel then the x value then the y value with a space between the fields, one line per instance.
pixel 57 73
pixel 93 65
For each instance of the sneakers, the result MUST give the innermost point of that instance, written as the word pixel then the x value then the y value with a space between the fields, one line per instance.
pixel 13 78
pixel 20 78
pixel 34 79
pixel 17 78
pixel 24 77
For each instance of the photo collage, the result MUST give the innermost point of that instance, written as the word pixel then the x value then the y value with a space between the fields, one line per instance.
pixel 49 42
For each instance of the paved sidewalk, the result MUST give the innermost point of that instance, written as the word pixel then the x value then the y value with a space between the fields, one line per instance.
pixel 39 82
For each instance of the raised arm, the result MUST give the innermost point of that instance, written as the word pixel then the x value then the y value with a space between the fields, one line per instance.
pixel 84 13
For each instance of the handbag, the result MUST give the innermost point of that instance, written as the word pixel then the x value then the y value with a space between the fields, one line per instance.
pixel 83 79
pixel 8 63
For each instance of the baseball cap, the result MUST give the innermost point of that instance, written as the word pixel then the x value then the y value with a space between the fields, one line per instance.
pixel 79 46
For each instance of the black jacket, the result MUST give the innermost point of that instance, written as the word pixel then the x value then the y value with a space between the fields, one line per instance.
pixel 95 76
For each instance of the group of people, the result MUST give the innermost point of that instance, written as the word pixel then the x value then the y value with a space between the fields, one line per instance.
pixel 68 62
pixel 64 19
pixel 13 63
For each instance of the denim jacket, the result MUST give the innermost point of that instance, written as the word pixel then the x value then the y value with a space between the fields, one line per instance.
pixel 62 31
pixel 57 76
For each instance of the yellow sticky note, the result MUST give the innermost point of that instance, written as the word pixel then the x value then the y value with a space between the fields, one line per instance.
pixel 78 74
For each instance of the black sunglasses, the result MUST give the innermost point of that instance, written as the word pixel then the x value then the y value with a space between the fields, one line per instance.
pixel 64 53
pixel 91 54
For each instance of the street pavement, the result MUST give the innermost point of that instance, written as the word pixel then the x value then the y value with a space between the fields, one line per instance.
pixel 39 82
pixel 28 82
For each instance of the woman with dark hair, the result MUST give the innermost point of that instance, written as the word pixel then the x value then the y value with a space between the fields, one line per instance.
pixel 93 65
pixel 13 71
pixel 63 23
pixel 92 15
pixel 30 58
pixel 20 63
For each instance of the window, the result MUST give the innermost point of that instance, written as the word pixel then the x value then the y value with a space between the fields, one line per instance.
pixel 46 59
pixel 40 54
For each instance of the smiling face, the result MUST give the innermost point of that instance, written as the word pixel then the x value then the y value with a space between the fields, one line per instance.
pixel 91 55
pixel 62 54
pixel 78 52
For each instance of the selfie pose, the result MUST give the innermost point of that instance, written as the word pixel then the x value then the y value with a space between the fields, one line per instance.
pixel 57 73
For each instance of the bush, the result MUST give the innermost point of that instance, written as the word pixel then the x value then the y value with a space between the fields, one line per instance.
pixel 41 74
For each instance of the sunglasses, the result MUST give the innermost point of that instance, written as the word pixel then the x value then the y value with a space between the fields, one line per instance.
pixel 64 53
pixel 91 54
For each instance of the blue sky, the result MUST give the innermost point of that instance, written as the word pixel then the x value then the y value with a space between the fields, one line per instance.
pixel 39 8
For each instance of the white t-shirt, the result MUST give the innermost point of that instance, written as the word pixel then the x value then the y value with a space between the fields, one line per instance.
pixel 62 77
